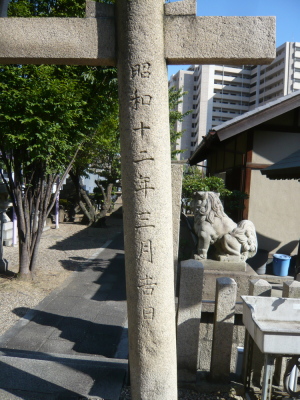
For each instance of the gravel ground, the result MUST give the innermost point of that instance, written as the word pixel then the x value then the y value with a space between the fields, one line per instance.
pixel 193 394
pixel 62 251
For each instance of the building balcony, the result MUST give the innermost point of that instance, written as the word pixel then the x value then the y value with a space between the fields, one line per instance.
pixel 275 70
pixel 230 106
pixel 228 97
pixel 272 90
pixel 275 81
pixel 231 88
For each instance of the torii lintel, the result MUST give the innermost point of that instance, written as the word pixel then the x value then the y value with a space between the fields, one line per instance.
pixel 92 40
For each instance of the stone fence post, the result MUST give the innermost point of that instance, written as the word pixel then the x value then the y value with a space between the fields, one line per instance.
pixel 188 318
pixel 257 287
pixel 177 172
pixel 226 291
pixel 291 290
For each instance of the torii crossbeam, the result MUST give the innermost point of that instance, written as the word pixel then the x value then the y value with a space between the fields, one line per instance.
pixel 141 37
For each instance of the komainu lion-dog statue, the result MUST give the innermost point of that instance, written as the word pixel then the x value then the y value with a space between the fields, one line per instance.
pixel 232 242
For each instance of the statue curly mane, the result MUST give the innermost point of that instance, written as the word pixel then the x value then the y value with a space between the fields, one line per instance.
pixel 213 226
pixel 213 207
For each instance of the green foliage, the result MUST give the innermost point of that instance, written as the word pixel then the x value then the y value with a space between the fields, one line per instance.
pixel 194 181
pixel 46 112
pixel 235 201
pixel 175 98
pixel 107 143
pixel 47 8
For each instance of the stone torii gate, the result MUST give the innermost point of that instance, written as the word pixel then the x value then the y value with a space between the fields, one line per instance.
pixel 141 37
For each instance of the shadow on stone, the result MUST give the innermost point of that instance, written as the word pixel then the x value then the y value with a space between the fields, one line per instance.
pixel 36 376
pixel 96 237
pixel 71 333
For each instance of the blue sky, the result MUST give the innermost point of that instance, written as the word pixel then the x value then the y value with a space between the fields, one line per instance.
pixel 287 14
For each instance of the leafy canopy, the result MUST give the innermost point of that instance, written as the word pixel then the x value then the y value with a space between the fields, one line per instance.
pixel 175 98
pixel 194 181
pixel 47 111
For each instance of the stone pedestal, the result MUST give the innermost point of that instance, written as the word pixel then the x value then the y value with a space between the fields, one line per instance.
pixel 241 278
pixel 223 266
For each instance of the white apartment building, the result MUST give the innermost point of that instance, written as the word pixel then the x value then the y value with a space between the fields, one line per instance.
pixel 280 78
pixel 219 93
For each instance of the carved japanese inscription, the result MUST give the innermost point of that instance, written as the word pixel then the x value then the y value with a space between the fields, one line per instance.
pixel 142 70
pixel 140 101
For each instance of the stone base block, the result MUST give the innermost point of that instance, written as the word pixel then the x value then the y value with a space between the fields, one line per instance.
pixel 7 242
pixel 224 265
pixel 241 277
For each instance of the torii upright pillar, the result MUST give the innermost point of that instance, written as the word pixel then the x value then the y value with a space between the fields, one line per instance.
pixel 149 35
pixel 146 178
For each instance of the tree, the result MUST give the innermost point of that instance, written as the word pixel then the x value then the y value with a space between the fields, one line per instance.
pixel 175 98
pixel 47 114
pixel 102 156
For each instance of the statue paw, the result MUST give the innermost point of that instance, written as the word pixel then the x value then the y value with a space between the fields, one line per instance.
pixel 200 257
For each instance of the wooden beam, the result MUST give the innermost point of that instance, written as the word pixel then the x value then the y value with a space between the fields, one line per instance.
pixel 252 165
pixel 248 173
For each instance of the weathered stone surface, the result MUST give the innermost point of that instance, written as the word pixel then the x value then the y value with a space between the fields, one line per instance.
pixel 259 287
pixel 226 290
pixel 241 277
pixel 79 41
pixel 147 199
pixel 188 40
pixel 189 314
pixel 94 9
pixel 291 289
pixel 223 265
pixel 219 40
pixel 176 170
pixel 183 7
